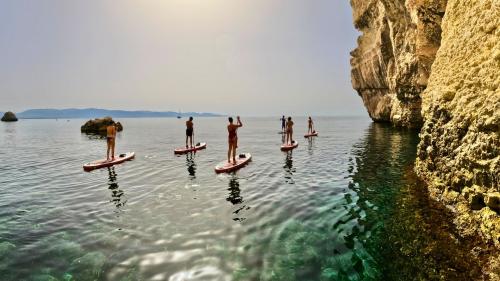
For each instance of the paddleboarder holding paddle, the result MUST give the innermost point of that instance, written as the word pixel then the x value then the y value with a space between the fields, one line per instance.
pixel 233 138
pixel 189 132
pixel 110 139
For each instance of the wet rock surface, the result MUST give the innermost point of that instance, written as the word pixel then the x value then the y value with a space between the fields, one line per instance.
pixel 9 117
pixel 98 126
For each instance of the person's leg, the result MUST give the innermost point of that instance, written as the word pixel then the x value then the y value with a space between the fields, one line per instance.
pixel 234 153
pixel 108 144
pixel 230 146
pixel 113 149
pixel 235 144
pixel 287 137
pixel 187 140
pixel 191 141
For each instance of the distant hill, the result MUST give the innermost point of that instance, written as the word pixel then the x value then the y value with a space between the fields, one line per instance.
pixel 89 113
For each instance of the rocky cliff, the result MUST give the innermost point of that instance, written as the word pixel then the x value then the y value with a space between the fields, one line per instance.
pixel 457 100
pixel 391 65
pixel 460 141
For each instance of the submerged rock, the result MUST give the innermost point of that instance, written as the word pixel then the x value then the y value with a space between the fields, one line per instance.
pixel 88 267
pixel 7 249
pixel 43 277
pixel 99 125
pixel 9 117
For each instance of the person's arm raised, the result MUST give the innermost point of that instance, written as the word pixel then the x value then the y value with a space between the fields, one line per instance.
pixel 239 122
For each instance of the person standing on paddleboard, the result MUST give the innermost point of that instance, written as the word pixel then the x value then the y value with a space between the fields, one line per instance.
pixel 311 126
pixel 283 123
pixel 289 131
pixel 233 138
pixel 189 132
pixel 110 138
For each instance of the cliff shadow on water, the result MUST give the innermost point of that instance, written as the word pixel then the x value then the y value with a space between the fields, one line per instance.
pixel 415 238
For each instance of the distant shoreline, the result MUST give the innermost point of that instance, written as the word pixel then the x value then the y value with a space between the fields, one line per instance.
pixel 91 113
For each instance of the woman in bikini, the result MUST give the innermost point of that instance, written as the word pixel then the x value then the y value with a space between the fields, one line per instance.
pixel 233 138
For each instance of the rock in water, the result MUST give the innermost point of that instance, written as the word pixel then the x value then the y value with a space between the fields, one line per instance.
pixel 88 267
pixel 9 117
pixel 98 126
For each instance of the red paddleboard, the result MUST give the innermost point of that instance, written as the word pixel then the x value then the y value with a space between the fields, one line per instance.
pixel 108 163
pixel 183 150
pixel 224 167
pixel 315 134
pixel 286 147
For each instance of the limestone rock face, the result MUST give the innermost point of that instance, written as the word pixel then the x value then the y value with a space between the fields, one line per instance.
pixel 9 117
pixel 391 65
pixel 99 125
pixel 460 138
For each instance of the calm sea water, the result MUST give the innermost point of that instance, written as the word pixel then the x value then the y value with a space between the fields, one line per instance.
pixel 343 206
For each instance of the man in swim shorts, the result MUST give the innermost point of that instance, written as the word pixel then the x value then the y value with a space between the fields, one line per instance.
pixel 189 132
pixel 110 139
pixel 233 138
pixel 289 131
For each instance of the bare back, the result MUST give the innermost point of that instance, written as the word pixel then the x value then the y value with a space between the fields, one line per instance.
pixel 111 131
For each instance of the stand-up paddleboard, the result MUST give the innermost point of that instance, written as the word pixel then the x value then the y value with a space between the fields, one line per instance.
pixel 108 163
pixel 241 160
pixel 286 147
pixel 315 134
pixel 197 147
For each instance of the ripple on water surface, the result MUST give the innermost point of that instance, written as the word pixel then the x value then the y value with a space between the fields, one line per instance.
pixel 339 207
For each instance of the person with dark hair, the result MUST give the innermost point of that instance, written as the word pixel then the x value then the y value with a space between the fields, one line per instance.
pixel 189 132
pixel 233 138
pixel 289 131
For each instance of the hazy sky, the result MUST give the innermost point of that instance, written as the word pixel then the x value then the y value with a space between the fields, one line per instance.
pixel 248 57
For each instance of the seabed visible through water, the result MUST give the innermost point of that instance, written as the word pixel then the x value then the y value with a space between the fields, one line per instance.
pixel 343 206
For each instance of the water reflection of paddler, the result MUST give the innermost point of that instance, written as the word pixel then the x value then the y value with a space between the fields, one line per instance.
pixel 288 167
pixel 116 192
pixel 191 165
pixel 234 191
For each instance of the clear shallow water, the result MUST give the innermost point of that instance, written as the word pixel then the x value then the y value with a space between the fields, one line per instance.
pixel 344 206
